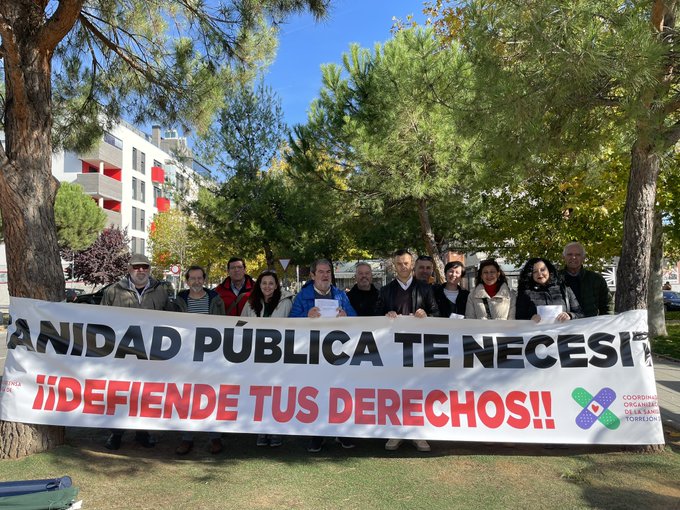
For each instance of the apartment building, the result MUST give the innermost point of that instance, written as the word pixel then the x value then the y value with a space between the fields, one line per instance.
pixel 133 175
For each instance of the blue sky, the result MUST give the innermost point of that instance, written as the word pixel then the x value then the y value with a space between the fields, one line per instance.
pixel 304 45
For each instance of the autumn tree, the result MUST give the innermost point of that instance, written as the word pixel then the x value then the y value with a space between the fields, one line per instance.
pixel 172 239
pixel 563 78
pixel 164 60
pixel 105 261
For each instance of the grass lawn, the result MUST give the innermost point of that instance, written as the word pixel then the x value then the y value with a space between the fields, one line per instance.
pixel 454 475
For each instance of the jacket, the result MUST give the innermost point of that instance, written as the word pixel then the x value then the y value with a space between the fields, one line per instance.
pixel 215 303
pixel 552 294
pixel 446 307
pixel 123 293
pixel 502 305
pixel 304 301
pixel 282 308
pixel 229 298
pixel 421 297
pixel 363 301
pixel 594 296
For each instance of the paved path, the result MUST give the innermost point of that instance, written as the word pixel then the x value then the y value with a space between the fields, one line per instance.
pixel 667 384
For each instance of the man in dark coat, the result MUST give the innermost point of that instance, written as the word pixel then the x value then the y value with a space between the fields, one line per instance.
pixel 363 295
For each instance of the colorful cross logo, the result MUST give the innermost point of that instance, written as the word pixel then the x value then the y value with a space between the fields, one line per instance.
pixel 595 408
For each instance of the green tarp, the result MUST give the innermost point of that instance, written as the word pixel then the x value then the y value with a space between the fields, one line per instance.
pixel 52 500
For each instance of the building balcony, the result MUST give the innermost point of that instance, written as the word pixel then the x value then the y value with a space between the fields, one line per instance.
pixel 107 153
pixel 101 186
pixel 162 204
pixel 157 174
pixel 113 218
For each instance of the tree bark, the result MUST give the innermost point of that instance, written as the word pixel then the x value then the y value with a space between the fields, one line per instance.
pixel 632 275
pixel 27 188
pixel 656 319
pixel 269 255
pixel 429 240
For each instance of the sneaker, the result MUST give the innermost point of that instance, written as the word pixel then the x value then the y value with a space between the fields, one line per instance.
pixel 315 445
pixel 113 442
pixel 393 444
pixel 262 440
pixel 421 445
pixel 184 447
pixel 216 446
pixel 145 439
pixel 345 442
pixel 275 441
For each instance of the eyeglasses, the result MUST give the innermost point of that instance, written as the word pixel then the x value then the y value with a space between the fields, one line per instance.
pixel 140 267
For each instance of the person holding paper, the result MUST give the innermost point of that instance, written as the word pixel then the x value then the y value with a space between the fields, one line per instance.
pixel 542 295
pixel 491 298
pixel 451 297
pixel 319 298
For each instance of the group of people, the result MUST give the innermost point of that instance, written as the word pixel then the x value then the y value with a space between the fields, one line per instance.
pixel 571 293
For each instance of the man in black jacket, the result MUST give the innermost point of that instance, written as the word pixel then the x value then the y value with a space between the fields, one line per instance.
pixel 406 296
pixel 363 295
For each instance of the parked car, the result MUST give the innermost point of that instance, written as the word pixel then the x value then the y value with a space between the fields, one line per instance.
pixel 70 295
pixel 671 300
pixel 93 298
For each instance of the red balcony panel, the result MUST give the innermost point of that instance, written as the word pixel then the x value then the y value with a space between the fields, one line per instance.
pixel 112 205
pixel 162 204
pixel 87 168
pixel 157 174
pixel 114 173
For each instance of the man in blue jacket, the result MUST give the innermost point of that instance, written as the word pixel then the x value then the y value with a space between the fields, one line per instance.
pixel 305 305
pixel 320 287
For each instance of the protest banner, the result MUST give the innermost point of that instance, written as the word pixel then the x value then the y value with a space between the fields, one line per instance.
pixel 583 381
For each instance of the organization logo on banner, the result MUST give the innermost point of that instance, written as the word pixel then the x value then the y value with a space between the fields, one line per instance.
pixel 595 409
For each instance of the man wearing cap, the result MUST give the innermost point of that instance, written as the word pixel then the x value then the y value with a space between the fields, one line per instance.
pixel 136 290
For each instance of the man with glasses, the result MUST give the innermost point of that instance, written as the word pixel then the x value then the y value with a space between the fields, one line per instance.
pixel 236 288
pixel 136 290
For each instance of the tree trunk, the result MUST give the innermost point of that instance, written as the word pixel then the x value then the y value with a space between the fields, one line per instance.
pixel 27 188
pixel 269 255
pixel 429 240
pixel 656 319
pixel 632 275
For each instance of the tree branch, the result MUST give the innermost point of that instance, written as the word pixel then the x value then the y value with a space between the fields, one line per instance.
pixel 60 24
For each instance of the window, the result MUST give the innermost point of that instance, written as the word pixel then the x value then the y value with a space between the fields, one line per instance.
pixel 142 191
pixel 134 188
pixel 134 218
pixel 137 245
pixel 142 223
pixel 134 158
pixel 156 193
pixel 157 163
pixel 142 163
pixel 113 140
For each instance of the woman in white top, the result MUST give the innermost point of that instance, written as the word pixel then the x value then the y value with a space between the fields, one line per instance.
pixel 491 297
pixel 268 300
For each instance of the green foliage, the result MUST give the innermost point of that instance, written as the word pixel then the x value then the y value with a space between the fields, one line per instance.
pixel 172 239
pixel 164 61
pixel 79 219
pixel 389 119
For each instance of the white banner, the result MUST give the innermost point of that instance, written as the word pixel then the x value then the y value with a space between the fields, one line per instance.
pixel 584 381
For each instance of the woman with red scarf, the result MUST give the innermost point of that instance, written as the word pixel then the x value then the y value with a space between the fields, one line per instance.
pixel 491 298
